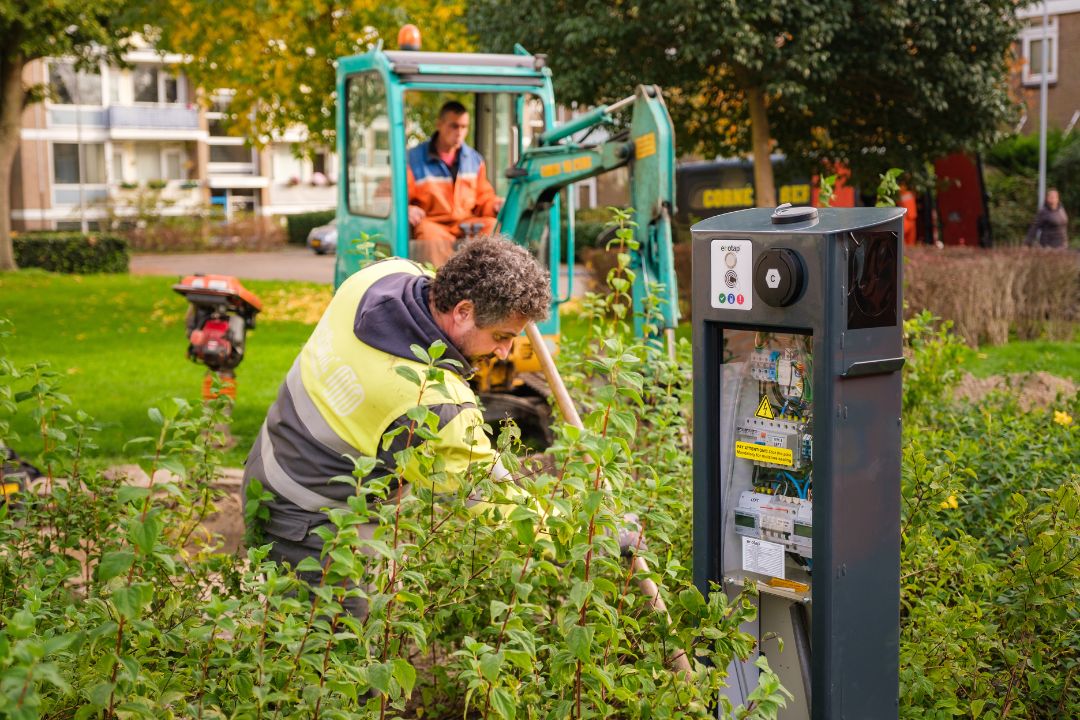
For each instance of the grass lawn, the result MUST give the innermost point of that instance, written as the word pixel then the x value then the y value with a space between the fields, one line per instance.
pixel 119 342
pixel 1056 358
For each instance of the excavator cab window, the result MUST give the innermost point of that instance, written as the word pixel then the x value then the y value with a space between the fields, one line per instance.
pixel 501 125
pixel 369 189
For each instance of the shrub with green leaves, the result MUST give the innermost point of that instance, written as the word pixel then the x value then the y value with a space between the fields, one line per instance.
pixel 115 603
pixel 990 566
pixel 71 252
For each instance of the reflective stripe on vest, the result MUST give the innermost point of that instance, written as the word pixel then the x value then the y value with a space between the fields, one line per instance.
pixel 280 482
pixel 310 417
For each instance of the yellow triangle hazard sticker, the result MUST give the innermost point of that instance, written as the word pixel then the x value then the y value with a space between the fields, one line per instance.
pixel 764 409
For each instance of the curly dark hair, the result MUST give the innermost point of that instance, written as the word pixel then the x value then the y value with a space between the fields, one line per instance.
pixel 499 278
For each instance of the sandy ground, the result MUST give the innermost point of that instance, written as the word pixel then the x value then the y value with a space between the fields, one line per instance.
pixel 1035 391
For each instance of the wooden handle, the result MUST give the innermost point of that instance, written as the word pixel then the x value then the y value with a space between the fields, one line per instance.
pixel 566 405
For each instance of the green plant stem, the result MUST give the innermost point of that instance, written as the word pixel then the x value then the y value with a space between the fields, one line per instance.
pixel 325 667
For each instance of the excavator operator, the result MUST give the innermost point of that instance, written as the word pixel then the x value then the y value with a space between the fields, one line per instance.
pixel 448 188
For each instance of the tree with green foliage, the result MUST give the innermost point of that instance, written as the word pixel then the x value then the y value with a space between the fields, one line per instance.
pixel 722 65
pixel 870 85
pixel 278 57
pixel 86 30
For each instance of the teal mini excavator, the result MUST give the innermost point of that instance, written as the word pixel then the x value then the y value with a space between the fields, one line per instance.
pixel 385 98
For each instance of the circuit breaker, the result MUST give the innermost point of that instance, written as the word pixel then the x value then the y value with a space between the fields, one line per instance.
pixel 797 394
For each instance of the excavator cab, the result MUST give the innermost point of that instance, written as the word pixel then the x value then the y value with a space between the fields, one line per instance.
pixel 390 102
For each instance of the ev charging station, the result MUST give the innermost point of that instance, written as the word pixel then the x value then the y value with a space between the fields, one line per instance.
pixel 797 320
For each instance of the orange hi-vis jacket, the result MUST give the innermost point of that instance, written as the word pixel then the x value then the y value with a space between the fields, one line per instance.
pixel 446 200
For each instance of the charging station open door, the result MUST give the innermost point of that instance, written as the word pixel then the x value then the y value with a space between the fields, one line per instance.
pixel 797 353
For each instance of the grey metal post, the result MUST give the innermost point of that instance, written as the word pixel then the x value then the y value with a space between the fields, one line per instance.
pixel 1042 104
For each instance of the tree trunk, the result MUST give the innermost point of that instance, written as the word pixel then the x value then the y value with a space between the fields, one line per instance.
pixel 11 107
pixel 764 184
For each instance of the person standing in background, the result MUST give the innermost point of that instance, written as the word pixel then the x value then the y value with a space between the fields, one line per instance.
pixel 1050 227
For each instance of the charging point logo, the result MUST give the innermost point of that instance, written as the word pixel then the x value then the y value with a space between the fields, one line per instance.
pixel 772 278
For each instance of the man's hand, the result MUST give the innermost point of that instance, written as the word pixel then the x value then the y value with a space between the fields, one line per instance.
pixel 631 541
pixel 416 214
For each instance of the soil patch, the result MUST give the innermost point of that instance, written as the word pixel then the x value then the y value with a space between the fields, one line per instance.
pixel 1034 390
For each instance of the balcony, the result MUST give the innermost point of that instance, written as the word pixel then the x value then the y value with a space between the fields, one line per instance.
pixel 164 122
pixel 72 116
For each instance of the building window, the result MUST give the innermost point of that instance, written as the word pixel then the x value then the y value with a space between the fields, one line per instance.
pixel 74 87
pixel 147 162
pixel 145 81
pixel 173 164
pixel 170 88
pixel 115 78
pixel 230 154
pixel 1031 45
pixel 66 162
pixel 119 176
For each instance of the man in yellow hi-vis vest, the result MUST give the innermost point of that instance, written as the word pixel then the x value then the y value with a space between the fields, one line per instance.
pixel 343 393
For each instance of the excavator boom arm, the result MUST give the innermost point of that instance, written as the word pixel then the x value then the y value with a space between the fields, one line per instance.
pixel 555 163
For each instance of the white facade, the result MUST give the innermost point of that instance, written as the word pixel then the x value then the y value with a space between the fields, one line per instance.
pixel 107 142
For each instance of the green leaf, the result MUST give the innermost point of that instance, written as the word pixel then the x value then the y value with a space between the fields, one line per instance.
pixel 130 601
pixel 173 465
pixel 521 659
pixel 579 594
pixel 504 704
pixel 144 533
pixel 497 608
pixel 155 416
pixel 490 666
pixel 524 531
pixel 692 600
pixel 379 675
pixel 308 564
pixel 579 640
pixel 408 373
pixel 113 564
pixel 405 674
pixel 129 493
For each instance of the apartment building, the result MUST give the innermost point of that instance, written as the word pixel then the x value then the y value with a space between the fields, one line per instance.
pixel 1063 50
pixel 109 142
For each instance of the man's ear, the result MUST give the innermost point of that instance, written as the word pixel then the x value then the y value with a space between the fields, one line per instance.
pixel 464 313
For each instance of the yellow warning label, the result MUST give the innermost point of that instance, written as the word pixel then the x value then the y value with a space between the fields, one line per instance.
pixel 645 145
pixel 764 409
pixel 764 453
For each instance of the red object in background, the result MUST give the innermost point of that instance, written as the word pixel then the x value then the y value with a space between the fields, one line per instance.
pixel 210 344
pixel 961 204
pixel 843 194
pixel 206 287
pixel 909 200
pixel 220 314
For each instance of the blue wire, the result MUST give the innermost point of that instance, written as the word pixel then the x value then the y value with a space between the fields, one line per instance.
pixel 800 490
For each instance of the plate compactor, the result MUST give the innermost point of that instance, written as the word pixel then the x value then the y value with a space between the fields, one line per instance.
pixel 220 314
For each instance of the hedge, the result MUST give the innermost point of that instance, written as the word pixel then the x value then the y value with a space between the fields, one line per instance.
pixel 992 295
pixel 301 224
pixel 71 252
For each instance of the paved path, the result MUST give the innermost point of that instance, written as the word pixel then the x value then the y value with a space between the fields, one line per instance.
pixel 289 264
